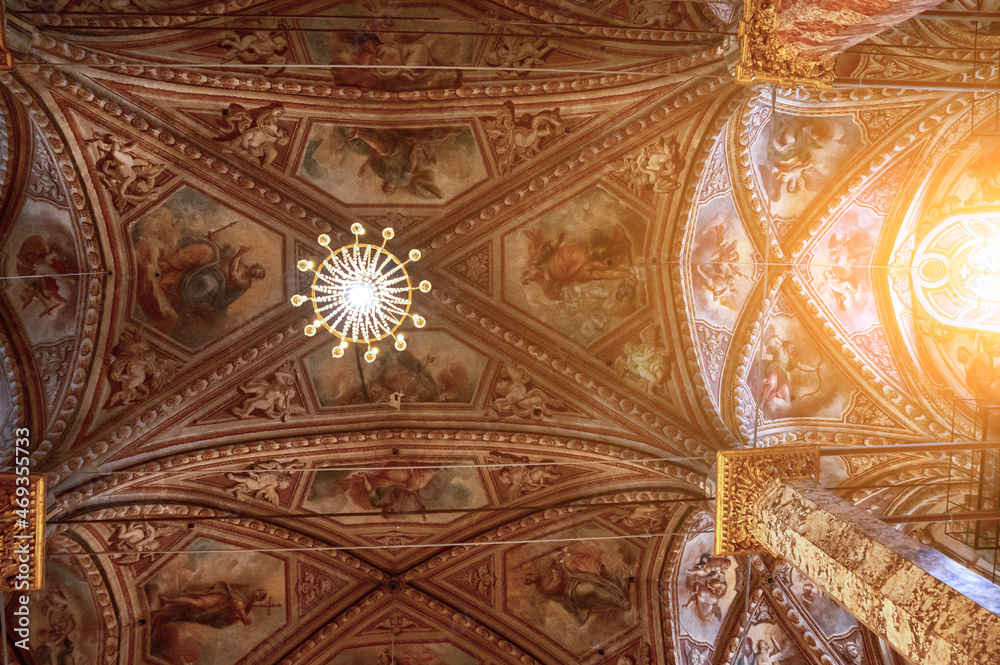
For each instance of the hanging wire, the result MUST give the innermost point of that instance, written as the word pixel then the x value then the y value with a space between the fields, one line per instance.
pixel 376 548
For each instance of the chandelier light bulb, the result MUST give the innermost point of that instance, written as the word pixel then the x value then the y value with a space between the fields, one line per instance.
pixel 361 293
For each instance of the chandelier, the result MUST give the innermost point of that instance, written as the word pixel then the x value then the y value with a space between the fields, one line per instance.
pixel 361 293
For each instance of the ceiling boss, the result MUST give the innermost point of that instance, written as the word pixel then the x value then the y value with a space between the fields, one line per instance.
pixel 361 293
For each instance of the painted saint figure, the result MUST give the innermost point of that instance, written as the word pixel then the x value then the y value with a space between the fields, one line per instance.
pixel 719 273
pixel 392 490
pixel 582 584
pixel 775 390
pixel 191 278
pixel 402 159
pixel 555 263
pixel 218 605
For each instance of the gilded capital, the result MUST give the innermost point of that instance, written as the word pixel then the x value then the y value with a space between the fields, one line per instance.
pixel 743 475
pixel 765 58
pixel 22 532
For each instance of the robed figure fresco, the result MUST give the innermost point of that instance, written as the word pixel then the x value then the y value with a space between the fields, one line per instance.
pixel 189 279
pixel 556 263
pixel 219 605
pixel 583 584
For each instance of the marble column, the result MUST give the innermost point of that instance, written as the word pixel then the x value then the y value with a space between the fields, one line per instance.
pixel 931 609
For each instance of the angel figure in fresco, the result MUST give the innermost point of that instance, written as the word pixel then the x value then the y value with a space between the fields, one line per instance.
pixel 402 159
pixel 719 274
pixel 792 150
pixel 43 261
pixel 55 646
pixel 646 362
pixel 129 176
pixel 555 264
pixel 387 57
pixel 274 397
pixel 981 373
pixel 392 490
pixel 583 584
pixel 139 539
pixel 512 395
pixel 779 363
pixel 255 133
pixel 191 277
pixel 707 586
pixel 765 651
pixel 840 280
pixel 217 605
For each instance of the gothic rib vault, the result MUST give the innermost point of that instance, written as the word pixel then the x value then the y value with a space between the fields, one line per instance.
pixel 636 263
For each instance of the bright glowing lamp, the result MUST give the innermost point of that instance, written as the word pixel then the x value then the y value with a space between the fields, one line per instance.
pixel 361 293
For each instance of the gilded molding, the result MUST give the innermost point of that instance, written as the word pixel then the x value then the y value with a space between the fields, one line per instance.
pixel 765 59
pixel 15 533
pixel 743 475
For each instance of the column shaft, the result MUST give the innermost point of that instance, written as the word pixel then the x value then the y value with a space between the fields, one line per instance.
pixel 929 608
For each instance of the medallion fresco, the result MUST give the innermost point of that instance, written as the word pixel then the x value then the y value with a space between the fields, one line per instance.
pixel 434 367
pixel 581 595
pixel 391 165
pixel 576 267
pixel 210 607
pixel 202 269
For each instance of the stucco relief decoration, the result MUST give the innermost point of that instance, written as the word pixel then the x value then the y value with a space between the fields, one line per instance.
pixel 657 166
pixel 129 175
pixel 513 396
pixel 513 55
pixel 519 138
pixel 257 133
pixel 137 369
pixel 257 47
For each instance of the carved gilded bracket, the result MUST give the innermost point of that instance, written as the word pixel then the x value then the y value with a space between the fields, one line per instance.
pixel 6 57
pixel 743 475
pixel 765 58
pixel 22 532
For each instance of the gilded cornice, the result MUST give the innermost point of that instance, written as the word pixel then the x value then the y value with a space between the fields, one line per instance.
pixel 765 59
pixel 743 475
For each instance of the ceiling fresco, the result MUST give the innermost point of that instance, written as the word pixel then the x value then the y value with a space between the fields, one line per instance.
pixel 635 262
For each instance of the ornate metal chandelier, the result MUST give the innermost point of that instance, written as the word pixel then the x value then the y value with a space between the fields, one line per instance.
pixel 361 293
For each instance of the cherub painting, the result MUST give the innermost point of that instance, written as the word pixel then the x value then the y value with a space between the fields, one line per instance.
pixel 791 377
pixel 707 584
pixel 722 263
pixel 65 628
pixel 705 589
pixel 212 608
pixel 576 267
pixel 391 164
pixel 42 263
pixel 840 268
pixel 433 368
pixel 798 155
pixel 196 261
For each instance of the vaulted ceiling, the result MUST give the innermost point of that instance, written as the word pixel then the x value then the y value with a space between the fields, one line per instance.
pixel 635 262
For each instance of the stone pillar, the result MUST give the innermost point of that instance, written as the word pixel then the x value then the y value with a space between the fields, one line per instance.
pixel 931 609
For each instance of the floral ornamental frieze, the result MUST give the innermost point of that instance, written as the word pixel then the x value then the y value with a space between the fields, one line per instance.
pixel 765 58
pixel 743 475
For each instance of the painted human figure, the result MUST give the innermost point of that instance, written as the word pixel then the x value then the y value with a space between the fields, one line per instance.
pixel 392 490
pixel 556 263
pixel 43 262
pixel 775 390
pixel 707 585
pixel 256 133
pixel 582 584
pixel 720 272
pixel 402 159
pixel 218 605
